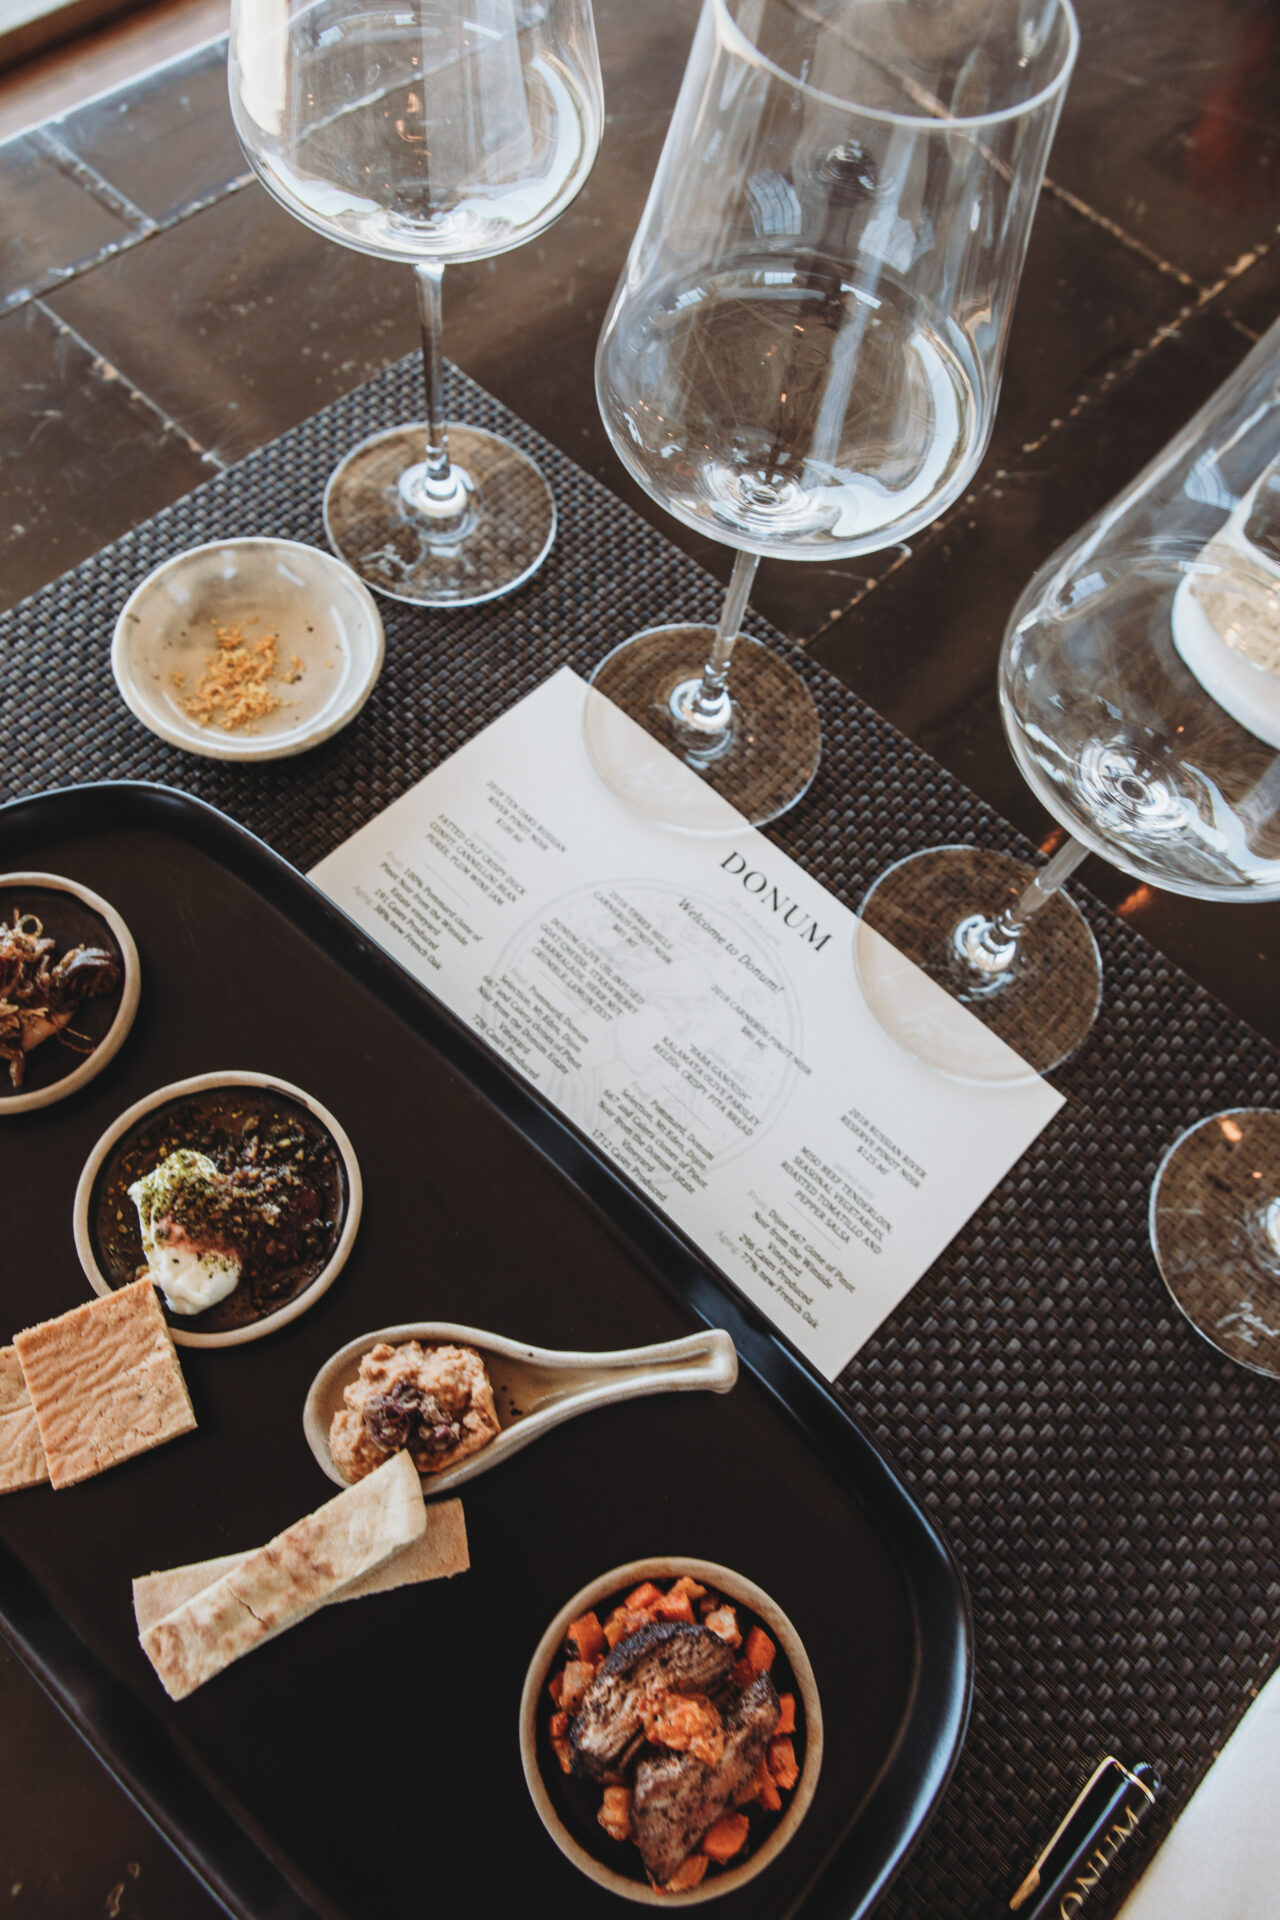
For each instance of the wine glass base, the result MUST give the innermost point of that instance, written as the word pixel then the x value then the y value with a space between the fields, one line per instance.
pixel 1215 1232
pixel 496 544
pixel 759 766
pixel 1041 1003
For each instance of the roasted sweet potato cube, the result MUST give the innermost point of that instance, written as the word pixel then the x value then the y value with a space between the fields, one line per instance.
pixel 759 1650
pixel 727 1837
pixel 615 1813
pixel 623 1621
pixel 783 1764
pixel 690 1874
pixel 585 1639
pixel 644 1596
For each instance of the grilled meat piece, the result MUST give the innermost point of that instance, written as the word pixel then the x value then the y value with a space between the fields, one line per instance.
pixel 676 1798
pixel 82 974
pixel 668 1656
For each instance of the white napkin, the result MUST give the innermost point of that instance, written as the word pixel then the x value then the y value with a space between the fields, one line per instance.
pixel 1222 1859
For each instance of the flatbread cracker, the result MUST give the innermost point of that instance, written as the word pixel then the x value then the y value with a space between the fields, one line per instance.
pixel 105 1383
pixel 438 1553
pixel 289 1578
pixel 22 1461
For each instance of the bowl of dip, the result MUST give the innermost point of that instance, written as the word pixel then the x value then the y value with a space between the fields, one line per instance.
pixel 238 1193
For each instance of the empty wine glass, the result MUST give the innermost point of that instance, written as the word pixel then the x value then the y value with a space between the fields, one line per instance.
pixel 1140 692
pixel 803 354
pixel 431 131
pixel 1215 1232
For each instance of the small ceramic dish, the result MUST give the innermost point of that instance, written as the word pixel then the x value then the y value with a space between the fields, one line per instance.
pixel 193 1113
pixel 329 639
pixel 534 1388
pixel 568 1807
pixel 72 916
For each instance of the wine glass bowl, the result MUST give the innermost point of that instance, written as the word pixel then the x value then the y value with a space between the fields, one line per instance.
pixel 1112 727
pixel 435 131
pixel 419 131
pixel 802 358
pixel 765 457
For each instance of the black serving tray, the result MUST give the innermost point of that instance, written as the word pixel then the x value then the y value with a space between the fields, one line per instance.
pixel 367 1761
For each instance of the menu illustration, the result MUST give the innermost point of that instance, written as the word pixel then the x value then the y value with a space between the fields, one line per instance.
pixel 689 1001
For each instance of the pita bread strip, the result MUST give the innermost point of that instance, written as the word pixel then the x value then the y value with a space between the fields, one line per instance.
pixel 105 1383
pixel 288 1579
pixel 157 1594
pixel 22 1461
pixel 438 1553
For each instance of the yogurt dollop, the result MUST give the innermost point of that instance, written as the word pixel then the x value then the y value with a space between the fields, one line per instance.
pixel 177 1203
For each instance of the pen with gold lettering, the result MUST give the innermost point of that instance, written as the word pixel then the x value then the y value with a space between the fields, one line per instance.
pixel 1104 1815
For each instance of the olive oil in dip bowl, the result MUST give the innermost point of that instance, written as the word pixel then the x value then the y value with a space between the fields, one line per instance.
pixel 286 1140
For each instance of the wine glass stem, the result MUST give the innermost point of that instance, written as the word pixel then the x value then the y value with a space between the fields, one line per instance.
pixel 990 944
pixel 435 489
pixel 705 705
pixel 429 276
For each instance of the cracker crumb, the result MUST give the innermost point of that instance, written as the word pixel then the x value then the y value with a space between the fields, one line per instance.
pixel 235 685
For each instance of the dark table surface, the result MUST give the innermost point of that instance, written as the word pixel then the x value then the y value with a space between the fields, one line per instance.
pixel 160 317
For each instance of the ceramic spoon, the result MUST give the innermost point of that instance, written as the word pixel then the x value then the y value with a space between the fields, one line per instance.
pixel 534 1388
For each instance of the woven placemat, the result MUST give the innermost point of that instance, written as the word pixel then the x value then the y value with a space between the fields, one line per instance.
pixel 1110 1484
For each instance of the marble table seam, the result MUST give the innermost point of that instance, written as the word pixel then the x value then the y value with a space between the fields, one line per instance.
pixel 105 370
pixel 1120 233
pixel 93 183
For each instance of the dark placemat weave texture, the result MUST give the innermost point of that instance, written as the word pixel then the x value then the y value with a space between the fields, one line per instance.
pixel 1110 1484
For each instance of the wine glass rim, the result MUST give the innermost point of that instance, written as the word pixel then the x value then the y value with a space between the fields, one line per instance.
pixel 948 122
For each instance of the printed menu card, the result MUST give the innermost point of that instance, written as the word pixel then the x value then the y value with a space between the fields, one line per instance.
pixel 689 1000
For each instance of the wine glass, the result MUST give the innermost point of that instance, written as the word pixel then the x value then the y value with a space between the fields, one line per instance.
pixel 803 354
pixel 431 131
pixel 1215 1232
pixel 1140 693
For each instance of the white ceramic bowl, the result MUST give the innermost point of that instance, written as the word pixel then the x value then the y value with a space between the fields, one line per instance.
pixel 90 1064
pixel 201 1083
pixel 533 1701
pixel 316 606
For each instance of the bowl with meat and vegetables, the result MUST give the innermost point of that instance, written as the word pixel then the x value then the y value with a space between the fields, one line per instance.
pixel 69 985
pixel 670 1730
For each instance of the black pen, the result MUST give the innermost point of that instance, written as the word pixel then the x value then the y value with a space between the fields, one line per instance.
pixel 1103 1816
